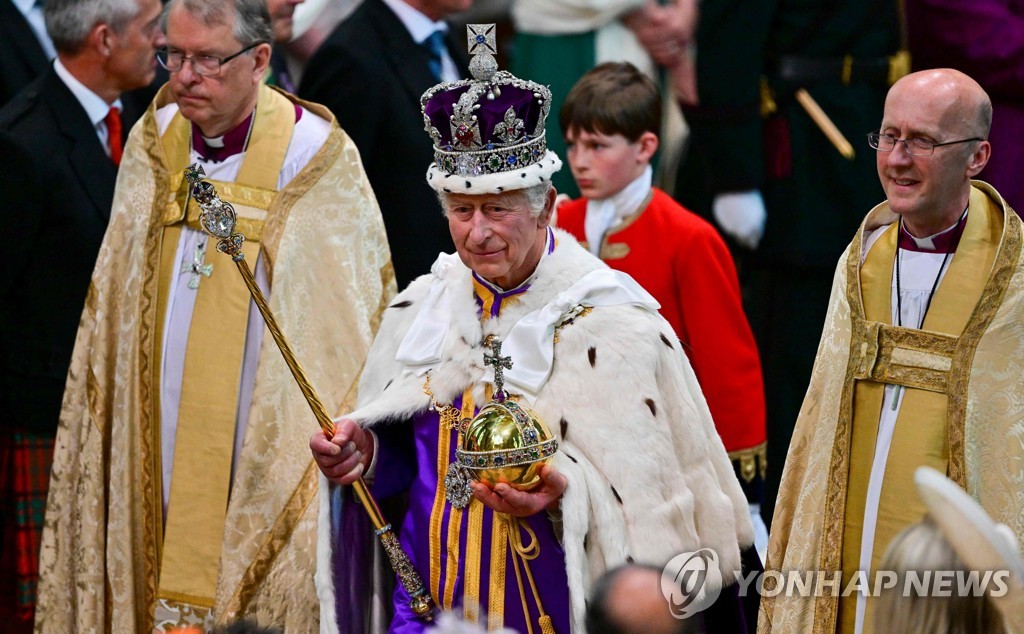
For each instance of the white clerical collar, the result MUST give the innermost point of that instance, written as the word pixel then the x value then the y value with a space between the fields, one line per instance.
pixel 420 27
pixel 609 212
pixel 216 141
pixel 928 243
pixel 95 106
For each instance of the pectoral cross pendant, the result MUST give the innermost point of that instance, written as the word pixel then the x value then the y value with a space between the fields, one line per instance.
pixel 196 266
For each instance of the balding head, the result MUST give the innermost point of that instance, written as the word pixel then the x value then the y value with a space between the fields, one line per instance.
pixel 946 109
pixel 629 600
pixel 968 107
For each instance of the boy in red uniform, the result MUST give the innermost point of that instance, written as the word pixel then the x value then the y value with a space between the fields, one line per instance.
pixel 611 120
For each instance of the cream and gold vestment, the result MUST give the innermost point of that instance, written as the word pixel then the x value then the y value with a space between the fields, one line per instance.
pixel 322 250
pixel 962 408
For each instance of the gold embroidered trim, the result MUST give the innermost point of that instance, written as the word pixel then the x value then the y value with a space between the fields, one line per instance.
pixel 630 219
pixel 991 298
pixel 437 511
pixel 282 530
pixel 149 430
pixel 496 592
pixel 886 354
pixel 454 519
pixel 272 545
pixel 387 279
pixel 578 312
pixel 620 250
pixel 474 553
pixel 452 570
pixel 615 251
pixel 753 461
pixel 825 607
pixel 185 599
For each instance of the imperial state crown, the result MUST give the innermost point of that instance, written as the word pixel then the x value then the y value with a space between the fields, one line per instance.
pixel 488 132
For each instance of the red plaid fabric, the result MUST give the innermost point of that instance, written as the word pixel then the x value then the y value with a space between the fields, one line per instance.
pixel 25 460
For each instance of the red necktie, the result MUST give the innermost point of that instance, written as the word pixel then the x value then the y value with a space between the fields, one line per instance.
pixel 113 121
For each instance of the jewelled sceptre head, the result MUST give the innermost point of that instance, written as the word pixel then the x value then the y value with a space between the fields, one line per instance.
pixel 218 219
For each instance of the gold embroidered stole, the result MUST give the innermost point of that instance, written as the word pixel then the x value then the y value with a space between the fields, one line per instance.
pixel 207 415
pixel 920 361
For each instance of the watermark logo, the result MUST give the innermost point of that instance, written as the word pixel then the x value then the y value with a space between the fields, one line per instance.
pixel 691 582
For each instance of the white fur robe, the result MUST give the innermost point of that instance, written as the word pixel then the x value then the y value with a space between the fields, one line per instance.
pixel 648 475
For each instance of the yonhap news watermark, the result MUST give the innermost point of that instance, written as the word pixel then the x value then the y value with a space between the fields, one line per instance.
pixel 692 581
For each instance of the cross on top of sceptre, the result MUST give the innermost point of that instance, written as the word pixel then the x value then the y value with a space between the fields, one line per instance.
pixel 499 363
pixel 194 173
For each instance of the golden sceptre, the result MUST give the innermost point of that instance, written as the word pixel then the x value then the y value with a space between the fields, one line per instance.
pixel 218 219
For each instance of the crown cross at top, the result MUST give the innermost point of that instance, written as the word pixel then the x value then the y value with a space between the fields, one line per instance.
pixel 483 48
pixel 500 364
pixel 481 39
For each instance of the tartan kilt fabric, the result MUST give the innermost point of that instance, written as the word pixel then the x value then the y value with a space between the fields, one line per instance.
pixel 25 460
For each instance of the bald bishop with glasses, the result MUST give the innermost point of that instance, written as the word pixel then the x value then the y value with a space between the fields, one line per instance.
pixel 921 360
pixel 183 489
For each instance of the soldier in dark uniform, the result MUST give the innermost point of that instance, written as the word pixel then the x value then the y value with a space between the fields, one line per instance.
pixel 750 133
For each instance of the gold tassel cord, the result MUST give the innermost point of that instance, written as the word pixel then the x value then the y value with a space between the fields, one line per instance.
pixel 525 554
pixel 218 219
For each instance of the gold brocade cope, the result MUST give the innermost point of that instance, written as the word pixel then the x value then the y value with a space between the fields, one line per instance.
pixel 921 362
pixel 207 416
pixel 981 422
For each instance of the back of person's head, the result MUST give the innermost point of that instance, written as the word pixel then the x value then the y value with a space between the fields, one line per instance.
pixel 960 541
pixel 629 600
pixel 69 22
pixel 919 548
pixel 612 98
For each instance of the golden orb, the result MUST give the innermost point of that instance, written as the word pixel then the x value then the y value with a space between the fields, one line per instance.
pixel 506 442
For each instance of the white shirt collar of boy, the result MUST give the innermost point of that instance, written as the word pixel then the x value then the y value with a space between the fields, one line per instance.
pixel 607 213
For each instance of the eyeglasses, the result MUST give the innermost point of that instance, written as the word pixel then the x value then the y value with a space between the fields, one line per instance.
pixel 206 65
pixel 914 147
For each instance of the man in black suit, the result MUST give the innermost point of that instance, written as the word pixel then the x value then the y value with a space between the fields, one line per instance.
pixel 23 51
pixel 371 72
pixel 60 143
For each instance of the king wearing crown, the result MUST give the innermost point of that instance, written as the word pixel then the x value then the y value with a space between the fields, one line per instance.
pixel 534 412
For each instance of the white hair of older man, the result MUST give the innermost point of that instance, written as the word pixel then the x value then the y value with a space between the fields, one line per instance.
pixel 536 197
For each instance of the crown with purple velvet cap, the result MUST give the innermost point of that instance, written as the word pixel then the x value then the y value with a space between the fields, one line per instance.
pixel 488 131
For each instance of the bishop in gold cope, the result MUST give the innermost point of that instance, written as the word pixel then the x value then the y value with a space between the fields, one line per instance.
pixel 218 219
pixel 181 472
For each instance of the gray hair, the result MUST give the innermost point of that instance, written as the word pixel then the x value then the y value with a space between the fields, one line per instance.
pixel 252 19
pixel 69 22
pixel 536 197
